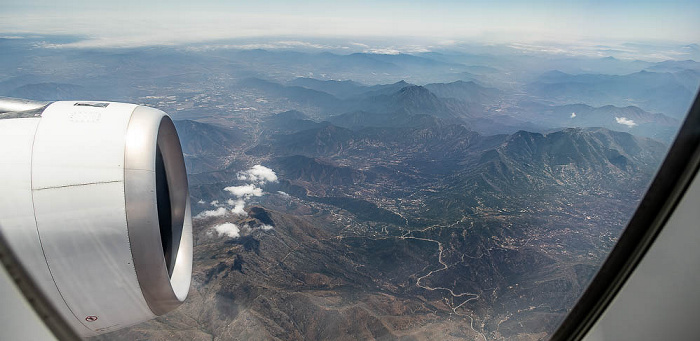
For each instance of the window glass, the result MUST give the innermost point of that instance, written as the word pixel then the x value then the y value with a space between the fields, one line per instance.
pixel 363 170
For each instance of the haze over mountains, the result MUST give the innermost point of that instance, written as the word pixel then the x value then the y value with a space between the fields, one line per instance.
pixel 657 91
pixel 435 195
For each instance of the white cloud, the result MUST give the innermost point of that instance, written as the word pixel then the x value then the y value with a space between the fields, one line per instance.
pixel 296 43
pixel 573 114
pixel 415 49
pixel 383 51
pixel 255 176
pixel 265 227
pixel 284 194
pixel 245 190
pixel 228 229
pixel 238 207
pixel 140 23
pixel 625 121
pixel 219 212
pixel 259 174
pixel 359 44
pixel 215 203
pixel 540 48
pixel 201 202
pixel 285 44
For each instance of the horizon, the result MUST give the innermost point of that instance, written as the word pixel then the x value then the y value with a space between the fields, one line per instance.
pixel 623 50
pixel 415 26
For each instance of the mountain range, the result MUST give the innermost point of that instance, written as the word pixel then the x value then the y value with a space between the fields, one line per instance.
pixel 470 192
pixel 372 221
pixel 666 92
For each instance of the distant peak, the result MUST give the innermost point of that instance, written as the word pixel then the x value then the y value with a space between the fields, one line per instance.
pixel 461 82
pixel 414 89
pixel 555 73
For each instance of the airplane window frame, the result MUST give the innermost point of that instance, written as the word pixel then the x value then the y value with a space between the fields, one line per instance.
pixel 41 304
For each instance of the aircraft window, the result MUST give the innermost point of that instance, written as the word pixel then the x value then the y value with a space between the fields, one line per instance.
pixel 362 170
pixel 670 186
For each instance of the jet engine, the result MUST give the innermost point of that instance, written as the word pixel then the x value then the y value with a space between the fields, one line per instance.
pixel 94 205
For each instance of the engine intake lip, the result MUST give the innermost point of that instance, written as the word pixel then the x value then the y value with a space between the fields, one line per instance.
pixel 157 209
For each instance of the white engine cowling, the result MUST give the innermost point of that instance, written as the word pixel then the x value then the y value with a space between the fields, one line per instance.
pixel 95 206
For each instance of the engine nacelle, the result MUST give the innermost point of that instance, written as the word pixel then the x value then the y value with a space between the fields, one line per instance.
pixel 95 206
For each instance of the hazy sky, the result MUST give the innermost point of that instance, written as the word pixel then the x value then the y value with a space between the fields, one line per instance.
pixel 142 22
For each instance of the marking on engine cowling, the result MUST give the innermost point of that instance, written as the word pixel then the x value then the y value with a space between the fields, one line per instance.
pixel 77 185
pixel 91 318
pixel 91 104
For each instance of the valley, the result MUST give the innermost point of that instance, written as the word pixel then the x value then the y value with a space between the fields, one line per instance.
pixel 344 196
